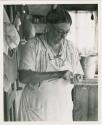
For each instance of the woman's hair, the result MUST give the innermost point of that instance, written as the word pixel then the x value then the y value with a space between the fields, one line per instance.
pixel 58 15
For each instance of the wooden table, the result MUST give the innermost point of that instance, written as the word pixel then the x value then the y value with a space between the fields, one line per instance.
pixel 85 99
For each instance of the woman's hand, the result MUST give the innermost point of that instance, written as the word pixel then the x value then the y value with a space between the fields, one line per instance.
pixel 73 78
pixel 68 76
pixel 77 78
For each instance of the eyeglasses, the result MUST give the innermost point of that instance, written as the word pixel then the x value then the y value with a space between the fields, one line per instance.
pixel 60 31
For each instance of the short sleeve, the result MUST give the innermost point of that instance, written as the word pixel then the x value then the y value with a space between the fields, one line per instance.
pixel 27 56
pixel 78 69
pixel 33 56
pixel 75 60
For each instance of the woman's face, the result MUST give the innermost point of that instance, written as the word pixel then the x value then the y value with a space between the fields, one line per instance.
pixel 59 31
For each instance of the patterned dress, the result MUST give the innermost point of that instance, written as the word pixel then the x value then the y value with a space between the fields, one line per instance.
pixel 51 100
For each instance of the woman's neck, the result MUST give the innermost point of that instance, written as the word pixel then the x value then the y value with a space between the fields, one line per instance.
pixel 55 46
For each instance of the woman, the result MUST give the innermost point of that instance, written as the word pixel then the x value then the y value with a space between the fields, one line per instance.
pixel 48 64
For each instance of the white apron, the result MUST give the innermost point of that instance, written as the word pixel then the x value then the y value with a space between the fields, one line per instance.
pixel 49 101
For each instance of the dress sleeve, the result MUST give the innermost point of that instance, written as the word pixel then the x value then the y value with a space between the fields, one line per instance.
pixel 33 56
pixel 75 60
pixel 28 56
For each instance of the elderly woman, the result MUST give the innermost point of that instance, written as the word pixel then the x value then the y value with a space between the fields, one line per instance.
pixel 48 65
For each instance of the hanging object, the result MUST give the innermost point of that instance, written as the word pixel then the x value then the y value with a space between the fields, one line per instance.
pixel 55 6
pixel 28 29
pixel 17 21
pixel 23 9
pixel 10 35
pixel 92 16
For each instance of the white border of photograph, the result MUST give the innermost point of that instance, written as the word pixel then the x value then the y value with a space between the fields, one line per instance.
pixel 2 2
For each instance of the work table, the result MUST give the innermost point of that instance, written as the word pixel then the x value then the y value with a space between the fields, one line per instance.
pixel 85 100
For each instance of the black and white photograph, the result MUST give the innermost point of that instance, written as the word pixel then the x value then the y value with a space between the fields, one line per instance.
pixel 50 62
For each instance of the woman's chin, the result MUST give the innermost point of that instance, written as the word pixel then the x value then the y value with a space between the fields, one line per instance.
pixel 58 40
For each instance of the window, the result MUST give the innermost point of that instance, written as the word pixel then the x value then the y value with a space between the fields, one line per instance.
pixel 84 30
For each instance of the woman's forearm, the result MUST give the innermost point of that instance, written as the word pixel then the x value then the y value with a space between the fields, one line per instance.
pixel 25 76
pixel 28 76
